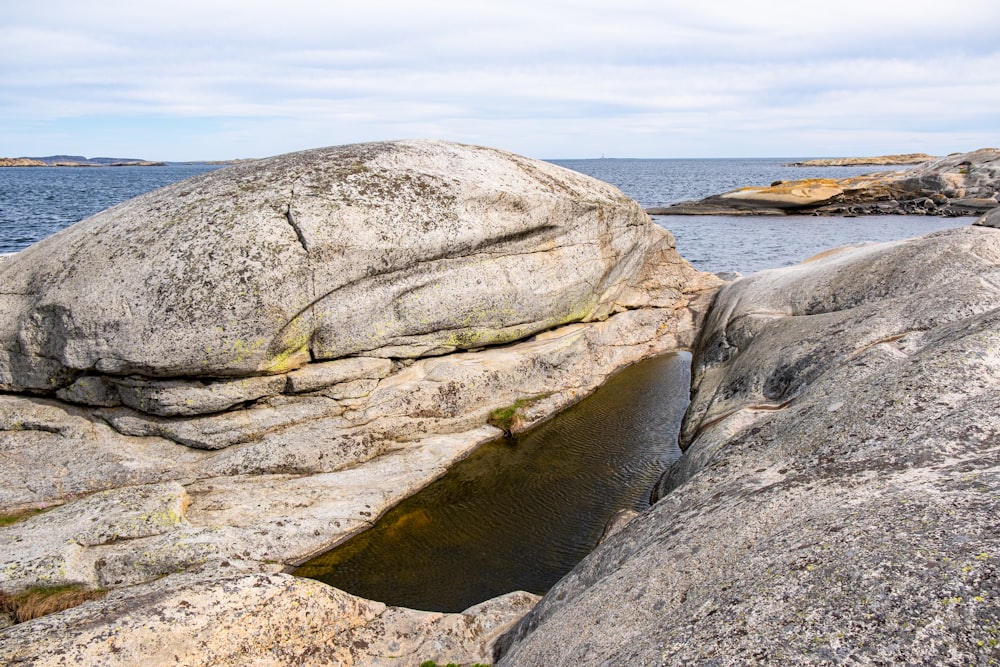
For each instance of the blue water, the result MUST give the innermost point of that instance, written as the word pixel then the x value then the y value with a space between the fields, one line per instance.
pixel 36 202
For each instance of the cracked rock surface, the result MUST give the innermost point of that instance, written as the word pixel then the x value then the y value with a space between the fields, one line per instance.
pixel 838 501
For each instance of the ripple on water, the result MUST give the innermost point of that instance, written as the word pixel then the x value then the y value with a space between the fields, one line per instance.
pixel 519 513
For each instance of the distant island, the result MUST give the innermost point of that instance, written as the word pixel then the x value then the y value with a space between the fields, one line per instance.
pixel 81 161
pixel 877 161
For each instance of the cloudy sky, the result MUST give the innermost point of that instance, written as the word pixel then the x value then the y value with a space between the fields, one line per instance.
pixel 219 79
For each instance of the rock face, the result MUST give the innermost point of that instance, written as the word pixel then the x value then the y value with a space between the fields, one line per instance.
pixel 960 184
pixel 250 366
pixel 839 495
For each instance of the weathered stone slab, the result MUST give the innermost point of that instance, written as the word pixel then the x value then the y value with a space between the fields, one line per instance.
pixel 991 219
pixel 314 377
pixel 48 547
pixel 217 616
pixel 401 248
pixel 172 398
pixel 225 429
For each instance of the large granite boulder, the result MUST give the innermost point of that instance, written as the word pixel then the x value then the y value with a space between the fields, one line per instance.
pixel 839 497
pixel 397 249
pixel 241 370
pixel 956 185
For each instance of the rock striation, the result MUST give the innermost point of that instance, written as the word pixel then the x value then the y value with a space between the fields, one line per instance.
pixel 230 375
pixel 839 494
pixel 956 185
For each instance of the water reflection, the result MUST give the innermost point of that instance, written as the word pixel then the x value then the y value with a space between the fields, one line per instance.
pixel 520 513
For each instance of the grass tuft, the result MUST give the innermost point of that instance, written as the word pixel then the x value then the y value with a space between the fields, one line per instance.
pixel 10 518
pixel 509 418
pixel 42 600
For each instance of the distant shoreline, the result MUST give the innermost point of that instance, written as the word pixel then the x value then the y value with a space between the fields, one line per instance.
pixel 877 161
pixel 79 161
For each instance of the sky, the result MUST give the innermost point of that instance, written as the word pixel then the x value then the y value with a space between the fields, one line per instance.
pixel 220 79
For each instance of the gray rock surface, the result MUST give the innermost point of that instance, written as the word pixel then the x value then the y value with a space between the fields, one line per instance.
pixel 253 365
pixel 838 499
pixel 233 615
pixel 956 185
pixel 991 219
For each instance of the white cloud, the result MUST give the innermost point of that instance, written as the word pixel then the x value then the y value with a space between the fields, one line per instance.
pixel 548 77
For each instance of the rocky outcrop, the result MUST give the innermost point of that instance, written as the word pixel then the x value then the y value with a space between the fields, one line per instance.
pixel 20 162
pixel 877 161
pixel 251 366
pixel 839 494
pixel 991 219
pixel 957 185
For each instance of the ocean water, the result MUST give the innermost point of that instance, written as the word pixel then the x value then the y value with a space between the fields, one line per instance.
pixel 36 202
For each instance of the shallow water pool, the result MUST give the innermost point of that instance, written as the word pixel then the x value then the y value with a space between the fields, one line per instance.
pixel 520 512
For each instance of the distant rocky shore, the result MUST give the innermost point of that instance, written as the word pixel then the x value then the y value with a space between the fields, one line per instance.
pixel 877 161
pixel 957 185
pixel 76 161
pixel 81 161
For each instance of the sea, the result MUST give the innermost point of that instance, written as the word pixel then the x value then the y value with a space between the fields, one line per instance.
pixel 36 202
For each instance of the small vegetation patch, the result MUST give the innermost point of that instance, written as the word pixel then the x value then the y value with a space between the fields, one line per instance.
pixel 10 518
pixel 431 663
pixel 42 600
pixel 509 418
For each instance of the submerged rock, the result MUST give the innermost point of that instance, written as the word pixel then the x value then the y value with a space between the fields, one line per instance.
pixel 839 494
pixel 252 365
pixel 959 184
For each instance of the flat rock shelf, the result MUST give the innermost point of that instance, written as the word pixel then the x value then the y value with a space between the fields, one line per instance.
pixel 520 512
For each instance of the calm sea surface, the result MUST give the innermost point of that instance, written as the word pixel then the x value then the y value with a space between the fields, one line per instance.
pixel 36 202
